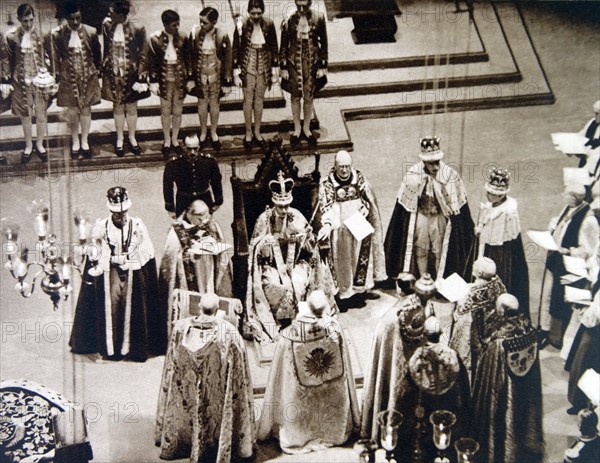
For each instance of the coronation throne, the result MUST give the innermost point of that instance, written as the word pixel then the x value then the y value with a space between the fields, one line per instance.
pixel 251 197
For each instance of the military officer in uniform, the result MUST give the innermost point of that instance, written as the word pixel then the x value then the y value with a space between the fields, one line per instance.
pixel 196 176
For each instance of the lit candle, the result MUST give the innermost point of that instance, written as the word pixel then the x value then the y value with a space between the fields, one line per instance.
pixel 83 230
pixel 66 272
pixel 93 251
pixel 21 268
pixel 443 442
pixel 388 442
pixel 40 226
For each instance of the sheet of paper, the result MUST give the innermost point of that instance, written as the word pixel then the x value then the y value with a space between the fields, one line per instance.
pixel 589 383
pixel 453 288
pixel 358 226
pixel 575 265
pixel 569 143
pixel 576 176
pixel 578 296
pixel 211 248
pixel 543 238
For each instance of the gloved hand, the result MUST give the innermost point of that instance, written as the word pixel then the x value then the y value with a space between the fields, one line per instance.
pixel 237 80
pixel 119 259
pixel 140 87
pixel 324 232
pixel 154 88
pixel 321 72
pixel 274 75
pixel 6 90
pixel 285 75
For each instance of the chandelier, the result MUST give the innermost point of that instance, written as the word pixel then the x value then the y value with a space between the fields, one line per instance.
pixel 55 261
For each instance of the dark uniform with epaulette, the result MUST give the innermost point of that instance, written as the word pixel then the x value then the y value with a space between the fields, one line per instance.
pixel 196 176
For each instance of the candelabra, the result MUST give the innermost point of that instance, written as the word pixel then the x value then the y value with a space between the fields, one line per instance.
pixel 442 422
pixel 389 421
pixel 466 448
pixel 55 265
pixel 365 448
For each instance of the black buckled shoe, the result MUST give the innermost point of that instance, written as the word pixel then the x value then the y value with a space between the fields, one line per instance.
pixel 216 145
pixel 86 153
pixel 25 157
pixel 43 155
pixel 119 151
pixel 294 141
pixel 247 144
pixel 262 143
pixel 165 151
pixel 75 154
pixel 136 150
pixel 311 139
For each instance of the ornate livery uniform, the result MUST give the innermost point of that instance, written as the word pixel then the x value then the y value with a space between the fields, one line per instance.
pixel 26 55
pixel 210 63
pixel 303 50
pixel 253 58
pixel 5 101
pixel 167 63
pixel 77 59
pixel 123 61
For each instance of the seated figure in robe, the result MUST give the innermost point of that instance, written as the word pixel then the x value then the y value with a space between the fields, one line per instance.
pixel 474 312
pixel 310 400
pixel 284 264
pixel 192 260
pixel 205 404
